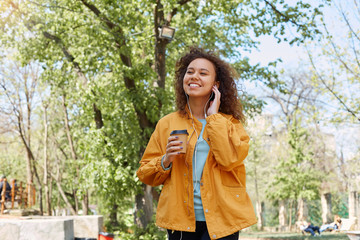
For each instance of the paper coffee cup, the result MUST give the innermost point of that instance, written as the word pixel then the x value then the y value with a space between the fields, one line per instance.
pixel 182 134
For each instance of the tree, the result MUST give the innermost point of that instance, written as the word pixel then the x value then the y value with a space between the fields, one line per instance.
pixel 261 156
pixel 296 99
pixel 296 177
pixel 339 80
pixel 116 70
pixel 18 87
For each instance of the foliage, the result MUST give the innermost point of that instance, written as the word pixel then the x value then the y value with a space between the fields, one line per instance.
pixel 272 215
pixel 11 161
pixel 314 214
pixel 262 149
pixel 151 232
pixel 339 202
pixel 295 176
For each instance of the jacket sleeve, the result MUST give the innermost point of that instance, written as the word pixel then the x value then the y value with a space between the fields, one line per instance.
pixel 150 171
pixel 229 141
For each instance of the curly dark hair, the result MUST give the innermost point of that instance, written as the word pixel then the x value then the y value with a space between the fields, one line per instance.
pixel 229 102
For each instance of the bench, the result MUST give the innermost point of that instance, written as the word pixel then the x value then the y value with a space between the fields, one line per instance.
pixel 347 224
pixel 353 235
pixel 20 196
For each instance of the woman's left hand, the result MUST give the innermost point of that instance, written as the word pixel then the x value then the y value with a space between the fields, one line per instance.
pixel 215 104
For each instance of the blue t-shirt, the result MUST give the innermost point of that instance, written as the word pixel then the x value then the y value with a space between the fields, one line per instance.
pixel 199 159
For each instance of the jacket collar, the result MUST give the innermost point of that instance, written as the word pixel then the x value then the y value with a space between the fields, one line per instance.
pixel 191 117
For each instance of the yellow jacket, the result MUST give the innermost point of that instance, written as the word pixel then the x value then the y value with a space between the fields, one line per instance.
pixel 226 204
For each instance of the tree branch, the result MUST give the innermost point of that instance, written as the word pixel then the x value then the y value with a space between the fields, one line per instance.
pixel 67 128
pixel 281 14
pixel 355 51
pixel 330 90
pixel 118 34
pixel 338 54
pixel 348 24
pixel 63 194
pixel 68 56
pixel 174 11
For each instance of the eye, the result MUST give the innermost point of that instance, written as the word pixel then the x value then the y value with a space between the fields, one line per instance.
pixel 189 72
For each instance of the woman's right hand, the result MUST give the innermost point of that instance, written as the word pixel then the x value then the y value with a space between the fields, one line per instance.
pixel 172 149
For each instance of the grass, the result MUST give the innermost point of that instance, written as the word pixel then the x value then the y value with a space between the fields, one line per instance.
pixel 291 236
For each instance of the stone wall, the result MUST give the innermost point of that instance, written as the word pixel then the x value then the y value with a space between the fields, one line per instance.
pixel 35 229
pixel 50 227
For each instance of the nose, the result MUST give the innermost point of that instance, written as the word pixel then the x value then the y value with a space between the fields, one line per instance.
pixel 195 76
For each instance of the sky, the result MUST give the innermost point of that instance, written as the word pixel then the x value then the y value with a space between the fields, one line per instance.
pixel 293 57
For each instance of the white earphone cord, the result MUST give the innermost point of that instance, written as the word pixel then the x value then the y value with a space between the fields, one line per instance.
pixel 197 136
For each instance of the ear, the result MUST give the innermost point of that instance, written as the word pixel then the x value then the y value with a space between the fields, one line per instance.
pixel 217 84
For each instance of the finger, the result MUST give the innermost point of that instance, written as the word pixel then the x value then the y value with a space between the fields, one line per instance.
pixel 172 138
pixel 174 149
pixel 216 90
pixel 173 144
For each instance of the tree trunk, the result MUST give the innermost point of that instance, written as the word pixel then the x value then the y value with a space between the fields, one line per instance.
pixel 260 215
pixel 57 180
pixel 46 184
pixel 40 190
pixel 29 176
pixel 290 214
pixel 66 200
pixel 28 135
pixel 358 210
pixel 50 194
pixel 85 203
pixel 113 216
pixel 76 201
pixel 73 155
pixel 326 207
pixel 144 207
pixel 282 215
pixel 160 51
pixel 303 210
pixel 353 208
pixel 259 209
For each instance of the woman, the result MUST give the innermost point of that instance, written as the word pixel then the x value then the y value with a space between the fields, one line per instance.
pixel 332 226
pixel 204 193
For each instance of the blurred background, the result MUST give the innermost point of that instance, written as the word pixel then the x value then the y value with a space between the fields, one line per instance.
pixel 83 84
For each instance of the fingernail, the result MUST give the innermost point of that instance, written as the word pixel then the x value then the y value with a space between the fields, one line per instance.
pixel 181 147
pixel 176 137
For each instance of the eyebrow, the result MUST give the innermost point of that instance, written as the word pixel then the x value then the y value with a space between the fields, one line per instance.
pixel 202 69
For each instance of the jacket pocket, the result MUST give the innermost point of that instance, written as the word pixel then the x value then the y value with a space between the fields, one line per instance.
pixel 237 194
pixel 230 179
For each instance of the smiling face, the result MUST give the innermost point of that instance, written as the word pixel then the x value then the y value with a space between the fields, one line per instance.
pixel 199 78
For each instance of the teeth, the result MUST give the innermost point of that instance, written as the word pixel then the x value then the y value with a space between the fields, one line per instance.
pixel 194 85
